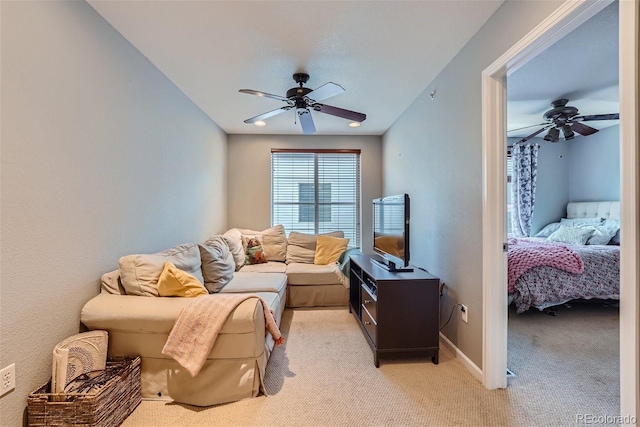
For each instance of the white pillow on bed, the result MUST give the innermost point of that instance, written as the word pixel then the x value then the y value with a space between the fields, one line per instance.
pixel 572 235
pixel 603 234
pixel 548 229
pixel 615 240
pixel 577 222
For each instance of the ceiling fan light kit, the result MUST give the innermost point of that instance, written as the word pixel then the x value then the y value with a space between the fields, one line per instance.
pixel 304 99
pixel 566 118
pixel 553 135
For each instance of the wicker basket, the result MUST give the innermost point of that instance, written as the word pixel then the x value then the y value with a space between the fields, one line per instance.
pixel 106 405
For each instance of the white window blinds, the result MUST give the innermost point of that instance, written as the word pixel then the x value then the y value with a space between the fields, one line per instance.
pixel 316 191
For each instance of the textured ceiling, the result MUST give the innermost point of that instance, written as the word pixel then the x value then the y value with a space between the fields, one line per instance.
pixel 384 53
pixel 582 67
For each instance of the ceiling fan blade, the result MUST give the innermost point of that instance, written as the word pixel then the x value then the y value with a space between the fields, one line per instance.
pixel 340 112
pixel 264 94
pixel 526 127
pixel 614 116
pixel 539 131
pixel 268 114
pixel 325 91
pixel 583 129
pixel 306 121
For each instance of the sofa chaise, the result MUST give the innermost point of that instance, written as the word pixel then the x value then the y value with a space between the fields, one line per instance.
pixel 139 322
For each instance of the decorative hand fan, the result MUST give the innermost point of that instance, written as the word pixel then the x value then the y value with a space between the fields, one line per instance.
pixel 77 355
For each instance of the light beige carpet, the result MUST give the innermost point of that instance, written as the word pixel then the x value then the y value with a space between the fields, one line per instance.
pixel 566 364
pixel 324 376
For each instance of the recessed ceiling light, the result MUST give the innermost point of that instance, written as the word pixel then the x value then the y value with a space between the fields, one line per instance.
pixel 260 123
pixel 354 124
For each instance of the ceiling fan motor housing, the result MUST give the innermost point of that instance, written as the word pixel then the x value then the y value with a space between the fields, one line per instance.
pixel 560 112
pixel 298 92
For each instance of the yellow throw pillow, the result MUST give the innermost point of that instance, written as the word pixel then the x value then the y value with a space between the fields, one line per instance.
pixel 174 282
pixel 329 249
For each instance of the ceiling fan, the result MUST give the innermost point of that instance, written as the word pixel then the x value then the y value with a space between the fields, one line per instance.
pixel 304 100
pixel 565 118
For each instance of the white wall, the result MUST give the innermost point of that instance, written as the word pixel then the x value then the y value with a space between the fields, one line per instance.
pixel 102 156
pixel 249 164
pixel 595 166
pixel 434 153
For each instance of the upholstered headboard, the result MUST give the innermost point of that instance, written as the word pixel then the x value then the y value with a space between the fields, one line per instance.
pixel 606 210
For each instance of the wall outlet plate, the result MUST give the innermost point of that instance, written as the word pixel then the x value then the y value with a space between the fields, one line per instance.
pixel 7 379
pixel 464 312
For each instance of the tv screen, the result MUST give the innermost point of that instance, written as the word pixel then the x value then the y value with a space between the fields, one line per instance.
pixel 391 230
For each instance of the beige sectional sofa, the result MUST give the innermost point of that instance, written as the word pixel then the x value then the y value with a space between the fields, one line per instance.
pixel 139 322
pixel 308 284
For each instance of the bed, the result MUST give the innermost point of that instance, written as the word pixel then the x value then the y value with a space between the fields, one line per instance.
pixel 560 264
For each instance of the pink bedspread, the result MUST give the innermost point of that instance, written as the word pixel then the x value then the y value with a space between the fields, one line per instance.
pixel 525 254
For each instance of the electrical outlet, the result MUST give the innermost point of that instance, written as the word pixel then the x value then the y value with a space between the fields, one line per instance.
pixel 464 312
pixel 8 378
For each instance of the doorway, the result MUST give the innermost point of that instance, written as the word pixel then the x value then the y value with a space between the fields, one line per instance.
pixel 564 20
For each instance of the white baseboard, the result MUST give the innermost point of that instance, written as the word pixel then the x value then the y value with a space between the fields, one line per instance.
pixel 471 367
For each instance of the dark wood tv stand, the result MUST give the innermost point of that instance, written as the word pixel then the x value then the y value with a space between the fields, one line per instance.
pixel 399 313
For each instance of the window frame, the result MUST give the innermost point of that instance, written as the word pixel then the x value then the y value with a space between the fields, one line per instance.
pixel 509 191
pixel 317 203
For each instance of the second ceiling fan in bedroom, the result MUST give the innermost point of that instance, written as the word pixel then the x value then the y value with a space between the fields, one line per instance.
pixel 305 100
pixel 565 118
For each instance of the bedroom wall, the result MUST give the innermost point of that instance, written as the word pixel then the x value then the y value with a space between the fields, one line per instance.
pixel 102 156
pixel 249 184
pixel 595 166
pixel 552 183
pixel 434 153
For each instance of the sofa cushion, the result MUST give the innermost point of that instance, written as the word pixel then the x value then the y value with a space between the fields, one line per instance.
pixel 329 249
pixel 140 315
pixel 256 282
pixel 217 263
pixel 174 282
pixel 139 273
pixel 269 267
pixel 110 283
pixel 311 274
pixel 302 247
pixel 274 241
pixel 234 240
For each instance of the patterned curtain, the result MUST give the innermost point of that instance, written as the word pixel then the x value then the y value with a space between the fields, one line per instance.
pixel 524 158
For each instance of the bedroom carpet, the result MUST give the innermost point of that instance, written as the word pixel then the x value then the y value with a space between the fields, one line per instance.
pixel 324 376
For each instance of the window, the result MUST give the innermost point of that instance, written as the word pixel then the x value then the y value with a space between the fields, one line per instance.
pixel 316 191
pixel 306 193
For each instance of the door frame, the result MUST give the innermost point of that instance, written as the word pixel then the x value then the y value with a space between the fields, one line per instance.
pixel 494 142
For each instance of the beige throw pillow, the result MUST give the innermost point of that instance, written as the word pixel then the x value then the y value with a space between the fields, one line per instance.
pixel 302 247
pixel 139 273
pixel 234 240
pixel 274 242
pixel 329 249
pixel 217 263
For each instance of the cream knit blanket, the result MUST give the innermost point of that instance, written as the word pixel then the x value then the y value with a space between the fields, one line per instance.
pixel 198 325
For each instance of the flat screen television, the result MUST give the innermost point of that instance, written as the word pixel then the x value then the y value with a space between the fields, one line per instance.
pixel 391 232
